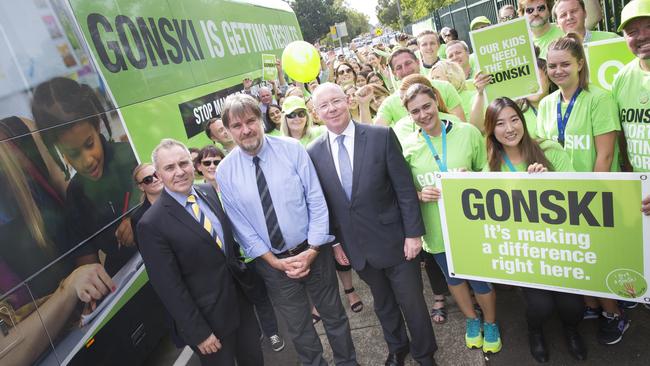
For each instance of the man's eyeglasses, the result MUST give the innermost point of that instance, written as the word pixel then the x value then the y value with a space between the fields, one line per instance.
pixel 301 114
pixel 344 71
pixel 507 17
pixel 334 103
pixel 207 163
pixel 540 9
pixel 148 179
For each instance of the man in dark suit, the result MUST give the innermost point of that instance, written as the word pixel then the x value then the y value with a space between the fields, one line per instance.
pixel 376 216
pixel 191 258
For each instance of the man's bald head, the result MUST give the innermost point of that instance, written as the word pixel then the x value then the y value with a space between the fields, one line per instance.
pixel 332 107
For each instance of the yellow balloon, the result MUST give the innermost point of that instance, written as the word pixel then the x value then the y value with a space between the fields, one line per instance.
pixel 301 61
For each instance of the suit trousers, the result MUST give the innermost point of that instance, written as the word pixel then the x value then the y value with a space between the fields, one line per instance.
pixel 263 306
pixel 242 346
pixel 400 287
pixel 291 299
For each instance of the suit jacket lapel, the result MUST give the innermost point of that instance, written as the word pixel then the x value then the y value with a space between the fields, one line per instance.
pixel 184 217
pixel 359 151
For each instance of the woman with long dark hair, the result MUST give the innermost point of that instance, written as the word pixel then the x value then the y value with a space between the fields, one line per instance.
pixel 510 148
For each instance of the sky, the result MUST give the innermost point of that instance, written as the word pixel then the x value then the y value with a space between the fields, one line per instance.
pixel 367 7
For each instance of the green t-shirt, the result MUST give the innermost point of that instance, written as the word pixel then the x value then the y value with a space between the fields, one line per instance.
pixel 594 36
pixel 594 114
pixel 631 91
pixel 274 132
pixel 406 127
pixel 391 109
pixel 314 132
pixel 531 122
pixel 442 51
pixel 545 40
pixel 553 152
pixel 465 151
pixel 466 100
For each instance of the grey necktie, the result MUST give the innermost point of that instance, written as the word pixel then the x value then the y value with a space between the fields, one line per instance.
pixel 345 168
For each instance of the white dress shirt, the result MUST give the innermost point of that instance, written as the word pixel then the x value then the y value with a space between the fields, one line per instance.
pixel 349 145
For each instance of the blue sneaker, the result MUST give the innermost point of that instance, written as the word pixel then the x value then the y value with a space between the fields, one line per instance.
pixel 591 313
pixel 491 338
pixel 473 334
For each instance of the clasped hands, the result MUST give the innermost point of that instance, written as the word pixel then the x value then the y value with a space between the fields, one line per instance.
pixel 297 266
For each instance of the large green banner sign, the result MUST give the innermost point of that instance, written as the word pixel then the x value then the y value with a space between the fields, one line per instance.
pixel 149 48
pixel 577 232
pixel 605 59
pixel 506 52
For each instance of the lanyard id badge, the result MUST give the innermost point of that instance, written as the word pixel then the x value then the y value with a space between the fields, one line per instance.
pixel 562 120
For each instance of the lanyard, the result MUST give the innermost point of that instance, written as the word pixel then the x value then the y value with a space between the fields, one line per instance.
pixel 533 109
pixel 508 162
pixel 442 164
pixel 563 120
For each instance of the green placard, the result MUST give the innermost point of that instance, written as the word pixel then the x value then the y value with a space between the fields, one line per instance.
pixel 506 52
pixel 269 71
pixel 605 59
pixel 571 232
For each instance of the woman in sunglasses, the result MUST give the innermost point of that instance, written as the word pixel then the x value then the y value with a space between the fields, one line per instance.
pixel 345 75
pixel 151 187
pixel 297 122
pixel 206 163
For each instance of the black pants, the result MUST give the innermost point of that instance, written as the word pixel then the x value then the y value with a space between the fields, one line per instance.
pixel 263 307
pixel 397 294
pixel 540 305
pixel 242 345
pixel 436 277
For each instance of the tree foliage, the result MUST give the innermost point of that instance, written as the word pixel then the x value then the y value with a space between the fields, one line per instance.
pixel 316 16
pixel 388 14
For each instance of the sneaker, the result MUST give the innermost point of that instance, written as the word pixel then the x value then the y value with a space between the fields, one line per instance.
pixel 277 343
pixel 473 334
pixel 491 338
pixel 612 327
pixel 627 304
pixel 591 313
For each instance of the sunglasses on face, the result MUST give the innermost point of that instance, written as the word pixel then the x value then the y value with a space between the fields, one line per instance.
pixel 540 9
pixel 345 71
pixel 207 163
pixel 301 114
pixel 148 179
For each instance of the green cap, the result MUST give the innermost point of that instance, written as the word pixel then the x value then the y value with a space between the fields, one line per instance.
pixel 633 10
pixel 479 20
pixel 292 103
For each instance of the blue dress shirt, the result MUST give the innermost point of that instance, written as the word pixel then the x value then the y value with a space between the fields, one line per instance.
pixel 205 208
pixel 295 190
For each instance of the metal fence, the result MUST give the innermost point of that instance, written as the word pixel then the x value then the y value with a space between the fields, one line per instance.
pixel 459 14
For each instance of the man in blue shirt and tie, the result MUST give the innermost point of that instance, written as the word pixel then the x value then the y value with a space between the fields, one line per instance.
pixel 273 197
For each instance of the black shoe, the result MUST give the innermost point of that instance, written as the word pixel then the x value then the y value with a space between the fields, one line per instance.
pixel 538 347
pixel 396 359
pixel 575 345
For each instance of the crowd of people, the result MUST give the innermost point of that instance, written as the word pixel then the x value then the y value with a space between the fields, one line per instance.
pixel 368 128
pixel 306 182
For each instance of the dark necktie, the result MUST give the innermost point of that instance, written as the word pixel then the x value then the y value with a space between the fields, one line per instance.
pixel 345 168
pixel 272 226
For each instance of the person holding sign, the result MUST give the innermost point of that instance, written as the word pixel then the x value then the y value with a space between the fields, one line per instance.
pixel 443 146
pixel 583 118
pixel 571 16
pixel 631 90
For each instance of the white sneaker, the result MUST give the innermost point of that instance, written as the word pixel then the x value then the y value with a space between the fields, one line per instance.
pixel 277 343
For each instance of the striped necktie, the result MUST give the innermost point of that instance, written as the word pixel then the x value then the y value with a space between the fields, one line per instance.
pixel 203 219
pixel 272 225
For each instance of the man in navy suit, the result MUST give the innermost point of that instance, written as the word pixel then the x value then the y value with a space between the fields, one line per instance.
pixel 376 217
pixel 192 261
